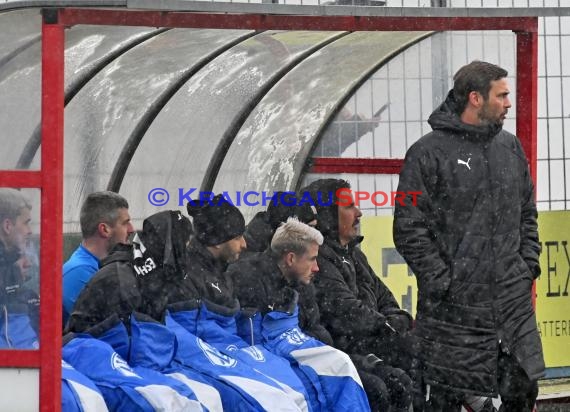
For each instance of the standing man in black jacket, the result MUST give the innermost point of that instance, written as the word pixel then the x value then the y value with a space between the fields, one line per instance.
pixel 472 242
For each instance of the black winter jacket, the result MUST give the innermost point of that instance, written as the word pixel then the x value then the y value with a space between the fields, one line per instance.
pixel 208 276
pixel 143 278
pixel 113 290
pixel 258 233
pixel 16 297
pixel 353 301
pixel 258 283
pixel 472 242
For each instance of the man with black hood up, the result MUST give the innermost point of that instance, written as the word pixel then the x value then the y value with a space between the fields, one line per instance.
pixel 357 309
pixel 472 241
pixel 143 278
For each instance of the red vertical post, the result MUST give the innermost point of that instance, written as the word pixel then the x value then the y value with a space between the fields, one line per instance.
pixel 527 92
pixel 51 237
pixel 527 101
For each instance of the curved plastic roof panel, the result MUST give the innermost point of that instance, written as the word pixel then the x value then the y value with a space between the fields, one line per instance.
pixel 109 110
pixel 270 150
pixel 20 80
pixel 197 124
pixel 18 30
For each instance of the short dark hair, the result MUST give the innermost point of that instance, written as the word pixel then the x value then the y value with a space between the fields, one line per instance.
pixel 475 77
pixel 12 202
pixel 100 207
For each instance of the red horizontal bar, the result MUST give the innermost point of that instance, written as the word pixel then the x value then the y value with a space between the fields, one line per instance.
pixel 257 21
pixel 20 178
pixel 20 358
pixel 356 165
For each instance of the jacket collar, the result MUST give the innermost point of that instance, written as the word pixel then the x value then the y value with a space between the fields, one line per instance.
pixel 275 272
pixel 120 253
pixel 8 257
pixel 339 249
pixel 205 257
pixel 446 118
pixel 337 254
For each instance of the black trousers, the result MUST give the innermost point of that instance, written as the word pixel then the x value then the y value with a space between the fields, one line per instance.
pixel 518 393
pixel 387 388
pixel 376 391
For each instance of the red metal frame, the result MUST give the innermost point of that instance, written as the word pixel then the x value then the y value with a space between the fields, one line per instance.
pixel 356 165
pixel 50 180
pixel 50 177
pixel 20 178
pixel 527 92
pixel 258 21
pixel 51 249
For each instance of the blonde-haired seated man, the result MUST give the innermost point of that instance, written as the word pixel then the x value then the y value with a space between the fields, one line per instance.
pixel 262 280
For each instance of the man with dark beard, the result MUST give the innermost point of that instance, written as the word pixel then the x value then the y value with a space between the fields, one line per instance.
pixel 358 310
pixel 472 242
pixel 218 241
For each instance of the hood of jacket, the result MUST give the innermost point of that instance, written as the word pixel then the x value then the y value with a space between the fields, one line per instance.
pixel 160 258
pixel 446 117
pixel 120 253
pixel 323 193
pixel 164 238
pixel 258 233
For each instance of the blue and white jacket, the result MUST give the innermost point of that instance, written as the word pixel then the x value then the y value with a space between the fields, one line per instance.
pixel 330 370
pixel 258 392
pixel 79 393
pixel 123 387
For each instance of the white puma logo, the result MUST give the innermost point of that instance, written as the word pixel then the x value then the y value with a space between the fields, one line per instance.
pixel 215 286
pixel 345 261
pixel 271 306
pixel 465 163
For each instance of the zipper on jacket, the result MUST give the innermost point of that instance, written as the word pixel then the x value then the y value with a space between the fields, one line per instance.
pixel 251 335
pixel 500 339
pixel 251 329
pixel 6 333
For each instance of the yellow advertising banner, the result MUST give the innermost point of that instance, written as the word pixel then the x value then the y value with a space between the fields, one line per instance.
pixel 552 287
pixel 378 246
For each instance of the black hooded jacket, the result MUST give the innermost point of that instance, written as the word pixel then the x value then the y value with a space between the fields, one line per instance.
pixel 354 303
pixel 258 283
pixel 207 275
pixel 113 290
pixel 472 242
pixel 258 233
pixel 143 278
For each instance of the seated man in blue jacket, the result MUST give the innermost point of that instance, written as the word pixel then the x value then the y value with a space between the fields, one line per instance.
pixel 105 222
